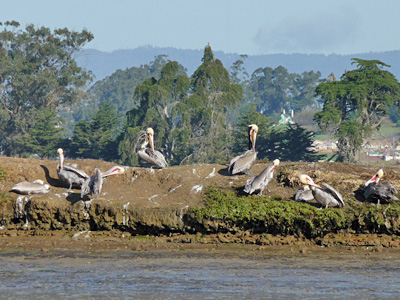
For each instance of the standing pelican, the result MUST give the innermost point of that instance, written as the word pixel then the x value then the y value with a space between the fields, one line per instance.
pixel 304 194
pixel 69 175
pixel 31 187
pixel 325 195
pixel 153 157
pixel 243 163
pixel 260 182
pixel 95 183
pixel 379 192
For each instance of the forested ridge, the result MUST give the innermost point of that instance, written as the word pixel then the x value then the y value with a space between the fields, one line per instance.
pixel 49 101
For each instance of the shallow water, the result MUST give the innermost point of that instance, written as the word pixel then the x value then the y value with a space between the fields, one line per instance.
pixel 195 276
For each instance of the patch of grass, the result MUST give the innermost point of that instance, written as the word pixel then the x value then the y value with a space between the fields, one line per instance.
pixel 141 237
pixel 3 174
pixel 386 129
pixel 288 217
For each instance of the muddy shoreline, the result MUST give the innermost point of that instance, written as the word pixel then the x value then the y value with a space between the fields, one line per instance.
pixel 110 243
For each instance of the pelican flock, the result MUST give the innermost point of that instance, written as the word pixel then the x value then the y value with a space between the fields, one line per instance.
pixel 72 177
pixel 326 195
pixel 243 163
pixel 149 155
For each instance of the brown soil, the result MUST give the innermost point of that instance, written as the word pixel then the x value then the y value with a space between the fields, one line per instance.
pixel 174 187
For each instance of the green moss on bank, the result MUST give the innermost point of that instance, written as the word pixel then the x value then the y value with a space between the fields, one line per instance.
pixel 225 211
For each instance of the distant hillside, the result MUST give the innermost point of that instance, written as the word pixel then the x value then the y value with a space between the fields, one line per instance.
pixel 103 64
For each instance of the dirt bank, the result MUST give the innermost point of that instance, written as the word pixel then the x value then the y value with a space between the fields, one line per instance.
pixel 170 204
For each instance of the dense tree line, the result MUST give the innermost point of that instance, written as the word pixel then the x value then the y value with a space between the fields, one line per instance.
pixel 38 75
pixel 46 103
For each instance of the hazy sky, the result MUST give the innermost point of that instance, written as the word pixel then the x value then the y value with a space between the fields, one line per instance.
pixel 233 26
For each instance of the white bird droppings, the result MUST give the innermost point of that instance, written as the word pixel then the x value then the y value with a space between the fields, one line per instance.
pixel 181 214
pixel 197 188
pixel 175 188
pixel 212 174
pixel 125 216
pixel 22 204
pixel 80 233
pixel 151 199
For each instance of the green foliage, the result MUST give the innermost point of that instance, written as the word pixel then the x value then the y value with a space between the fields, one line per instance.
pixel 238 72
pixel 187 115
pixel 117 89
pixel 37 71
pixel 224 210
pixel 287 143
pixel 161 108
pixel 241 140
pixel 97 138
pixel 351 137
pixel 354 106
pixel 265 215
pixel 43 135
pixel 291 143
pixel 3 174
pixel 277 89
pixel 393 113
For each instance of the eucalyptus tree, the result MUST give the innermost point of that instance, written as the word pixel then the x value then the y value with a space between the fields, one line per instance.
pixel 213 93
pixel 118 89
pixel 37 71
pixel 187 114
pixel 354 106
pixel 277 89
pixel 157 101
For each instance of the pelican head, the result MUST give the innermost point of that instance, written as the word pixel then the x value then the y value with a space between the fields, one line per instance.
pixel 150 137
pixel 375 178
pixel 38 181
pixel 253 130
pixel 274 164
pixel 380 173
pixel 60 151
pixel 306 180
pixel 118 170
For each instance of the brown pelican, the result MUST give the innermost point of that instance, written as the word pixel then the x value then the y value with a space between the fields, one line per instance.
pixel 325 195
pixel 153 157
pixel 31 187
pixel 260 182
pixel 304 194
pixel 70 175
pixel 243 163
pixel 379 192
pixel 95 183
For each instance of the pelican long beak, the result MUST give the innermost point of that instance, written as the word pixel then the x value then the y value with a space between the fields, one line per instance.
pixel 113 171
pixel 375 178
pixel 315 185
pixel 253 136
pixel 61 158
pixel 151 139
